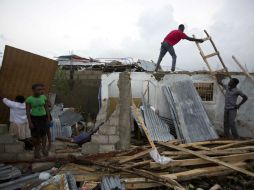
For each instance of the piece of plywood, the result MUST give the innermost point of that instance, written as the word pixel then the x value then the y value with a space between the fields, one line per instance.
pixel 213 160
pixel 20 70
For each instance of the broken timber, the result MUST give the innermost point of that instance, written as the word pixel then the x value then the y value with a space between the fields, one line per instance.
pixel 161 180
pixel 214 160
pixel 200 161
pixel 243 70
pixel 233 144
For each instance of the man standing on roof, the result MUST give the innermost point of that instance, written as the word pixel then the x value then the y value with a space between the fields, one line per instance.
pixel 231 106
pixel 169 41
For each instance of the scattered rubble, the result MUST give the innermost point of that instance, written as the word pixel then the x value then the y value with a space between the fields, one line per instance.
pixel 130 144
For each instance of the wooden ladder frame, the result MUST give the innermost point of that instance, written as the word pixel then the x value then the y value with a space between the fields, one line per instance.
pixel 206 57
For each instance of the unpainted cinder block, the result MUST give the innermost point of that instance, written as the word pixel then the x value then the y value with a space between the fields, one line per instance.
pixel 107 148
pixel 4 156
pixel 3 128
pixel 7 138
pixel 25 155
pixel 107 130
pixel 114 121
pixel 1 148
pixel 99 139
pixel 113 139
pixel 90 148
pixel 14 148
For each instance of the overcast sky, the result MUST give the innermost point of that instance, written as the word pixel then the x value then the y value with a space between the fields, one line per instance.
pixel 129 28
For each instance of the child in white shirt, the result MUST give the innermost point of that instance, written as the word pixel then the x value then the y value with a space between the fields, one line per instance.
pixel 18 118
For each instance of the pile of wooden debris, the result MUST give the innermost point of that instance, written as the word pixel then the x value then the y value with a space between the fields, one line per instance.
pixel 190 161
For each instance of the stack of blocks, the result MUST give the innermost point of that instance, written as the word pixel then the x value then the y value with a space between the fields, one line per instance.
pixel 10 148
pixel 107 137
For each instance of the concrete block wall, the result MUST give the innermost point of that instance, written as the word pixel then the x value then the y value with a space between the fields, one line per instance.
pixel 89 77
pixel 10 148
pixel 107 137
pixel 80 92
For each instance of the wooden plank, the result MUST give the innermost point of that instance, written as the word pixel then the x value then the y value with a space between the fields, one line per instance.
pixel 92 177
pixel 135 156
pixel 243 69
pixel 234 144
pixel 213 160
pixel 210 153
pixel 142 185
pixel 200 161
pixel 132 150
pixel 200 147
pixel 214 142
pixel 201 172
pixel 171 181
pixel 138 164
pixel 81 167
pixel 118 158
pixel 211 55
pixel 248 148
pixel 161 180
pixel 135 179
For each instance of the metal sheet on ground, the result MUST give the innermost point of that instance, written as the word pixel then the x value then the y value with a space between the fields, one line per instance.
pixel 20 69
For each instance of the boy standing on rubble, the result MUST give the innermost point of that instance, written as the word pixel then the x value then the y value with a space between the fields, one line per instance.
pixel 169 41
pixel 231 106
pixel 38 118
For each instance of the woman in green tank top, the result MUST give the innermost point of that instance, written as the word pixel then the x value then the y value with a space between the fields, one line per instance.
pixel 38 118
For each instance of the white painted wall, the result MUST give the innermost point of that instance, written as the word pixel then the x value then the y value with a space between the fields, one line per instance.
pixel 215 109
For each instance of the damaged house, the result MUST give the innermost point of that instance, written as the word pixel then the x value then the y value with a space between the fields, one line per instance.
pixel 118 125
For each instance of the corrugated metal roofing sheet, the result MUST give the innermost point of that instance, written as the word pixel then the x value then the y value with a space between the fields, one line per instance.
pixel 111 182
pixel 147 65
pixel 187 110
pixel 156 127
pixel 8 172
